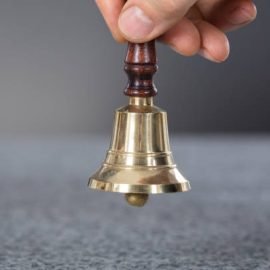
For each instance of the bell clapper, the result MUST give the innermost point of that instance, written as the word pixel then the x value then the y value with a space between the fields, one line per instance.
pixel 136 199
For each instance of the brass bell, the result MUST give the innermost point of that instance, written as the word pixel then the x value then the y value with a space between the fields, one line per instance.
pixel 139 161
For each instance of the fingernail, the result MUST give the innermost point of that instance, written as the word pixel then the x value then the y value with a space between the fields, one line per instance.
pixel 134 24
pixel 204 53
pixel 240 16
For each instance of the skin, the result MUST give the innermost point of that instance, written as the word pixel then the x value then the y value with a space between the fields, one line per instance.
pixel 188 26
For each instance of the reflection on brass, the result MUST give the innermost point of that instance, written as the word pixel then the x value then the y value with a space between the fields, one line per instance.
pixel 139 160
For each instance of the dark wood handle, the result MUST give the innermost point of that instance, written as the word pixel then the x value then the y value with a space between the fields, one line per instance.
pixel 140 66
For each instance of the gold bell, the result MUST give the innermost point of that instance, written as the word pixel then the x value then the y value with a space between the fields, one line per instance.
pixel 139 161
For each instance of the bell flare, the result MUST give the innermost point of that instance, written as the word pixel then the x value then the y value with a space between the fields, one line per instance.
pixel 139 180
pixel 139 160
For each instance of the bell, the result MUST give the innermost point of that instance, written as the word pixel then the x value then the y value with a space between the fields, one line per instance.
pixel 139 161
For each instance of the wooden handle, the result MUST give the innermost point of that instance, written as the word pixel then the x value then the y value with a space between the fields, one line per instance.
pixel 140 66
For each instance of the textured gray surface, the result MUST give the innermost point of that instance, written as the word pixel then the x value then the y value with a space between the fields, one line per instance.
pixel 50 220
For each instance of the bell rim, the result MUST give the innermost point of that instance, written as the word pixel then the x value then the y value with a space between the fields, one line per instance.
pixel 139 188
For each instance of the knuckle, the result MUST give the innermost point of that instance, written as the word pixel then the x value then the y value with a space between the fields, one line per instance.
pixel 171 7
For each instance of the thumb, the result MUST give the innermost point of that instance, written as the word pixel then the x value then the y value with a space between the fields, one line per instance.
pixel 143 20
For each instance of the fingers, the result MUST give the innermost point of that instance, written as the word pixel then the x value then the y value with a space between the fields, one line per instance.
pixel 189 38
pixel 232 14
pixel 141 21
pixel 111 12
pixel 214 43
pixel 184 38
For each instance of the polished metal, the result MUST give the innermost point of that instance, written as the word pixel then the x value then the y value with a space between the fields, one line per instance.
pixel 139 160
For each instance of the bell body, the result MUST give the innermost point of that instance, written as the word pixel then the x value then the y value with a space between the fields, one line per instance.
pixel 139 160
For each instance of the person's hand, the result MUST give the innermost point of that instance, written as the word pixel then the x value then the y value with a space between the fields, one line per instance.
pixel 188 26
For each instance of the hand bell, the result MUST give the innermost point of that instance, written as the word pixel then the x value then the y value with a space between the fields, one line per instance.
pixel 139 161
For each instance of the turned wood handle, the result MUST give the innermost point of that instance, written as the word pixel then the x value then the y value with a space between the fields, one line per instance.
pixel 140 66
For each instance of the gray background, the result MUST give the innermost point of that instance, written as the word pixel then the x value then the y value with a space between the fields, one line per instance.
pixel 61 72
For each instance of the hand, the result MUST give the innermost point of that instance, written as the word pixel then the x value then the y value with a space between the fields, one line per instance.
pixel 188 26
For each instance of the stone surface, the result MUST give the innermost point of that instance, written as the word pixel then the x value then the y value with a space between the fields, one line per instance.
pixel 50 220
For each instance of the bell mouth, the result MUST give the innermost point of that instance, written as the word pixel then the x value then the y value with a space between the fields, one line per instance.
pixel 140 189
pixel 139 180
